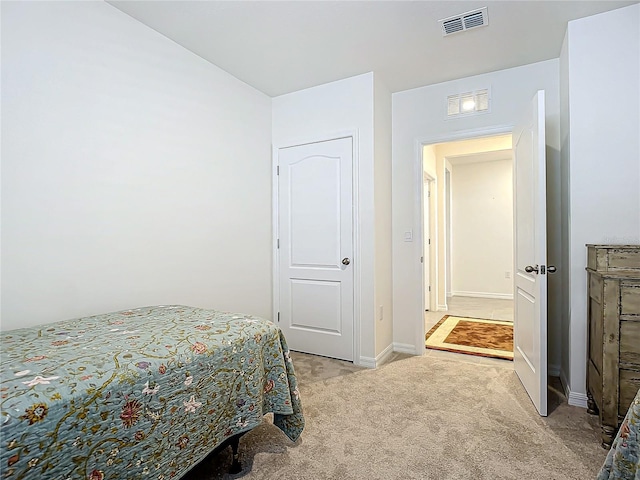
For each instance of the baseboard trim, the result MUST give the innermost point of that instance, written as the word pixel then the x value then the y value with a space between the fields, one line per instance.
pixel 500 296
pixel 367 362
pixel 577 399
pixel 380 359
pixel 573 398
pixel 384 356
pixel 405 348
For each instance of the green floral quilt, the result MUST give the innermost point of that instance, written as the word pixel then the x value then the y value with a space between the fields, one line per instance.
pixel 623 460
pixel 144 393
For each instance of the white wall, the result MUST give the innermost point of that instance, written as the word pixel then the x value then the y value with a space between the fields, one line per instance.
pixel 133 172
pixel 382 205
pixel 602 63
pixel 325 112
pixel 482 229
pixel 419 117
pixel 458 150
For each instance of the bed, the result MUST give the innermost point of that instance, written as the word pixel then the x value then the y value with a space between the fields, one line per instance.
pixel 623 460
pixel 143 393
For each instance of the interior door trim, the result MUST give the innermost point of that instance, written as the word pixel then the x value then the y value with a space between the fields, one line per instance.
pixel 357 274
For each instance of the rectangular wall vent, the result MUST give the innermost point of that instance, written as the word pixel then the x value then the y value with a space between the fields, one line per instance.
pixel 468 103
pixel 464 21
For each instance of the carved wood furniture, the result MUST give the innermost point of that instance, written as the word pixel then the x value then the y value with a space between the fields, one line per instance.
pixel 613 312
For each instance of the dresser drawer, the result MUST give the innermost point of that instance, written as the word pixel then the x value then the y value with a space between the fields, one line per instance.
pixel 607 258
pixel 629 386
pixel 630 298
pixel 630 342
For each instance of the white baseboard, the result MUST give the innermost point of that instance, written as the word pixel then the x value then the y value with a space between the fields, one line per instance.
pixel 443 308
pixel 380 359
pixel 405 348
pixel 577 399
pixel 383 357
pixel 500 296
pixel 573 398
pixel 367 362
pixel 553 370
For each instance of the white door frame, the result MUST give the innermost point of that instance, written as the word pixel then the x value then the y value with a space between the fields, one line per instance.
pixel 357 264
pixel 427 277
pixel 420 143
pixel 448 236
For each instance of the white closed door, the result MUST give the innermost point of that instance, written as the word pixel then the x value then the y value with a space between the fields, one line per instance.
pixel 530 292
pixel 315 254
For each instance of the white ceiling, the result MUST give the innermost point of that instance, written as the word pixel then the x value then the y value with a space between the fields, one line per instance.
pixel 283 46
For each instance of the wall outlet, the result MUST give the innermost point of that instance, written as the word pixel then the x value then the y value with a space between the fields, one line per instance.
pixel 380 313
pixel 507 274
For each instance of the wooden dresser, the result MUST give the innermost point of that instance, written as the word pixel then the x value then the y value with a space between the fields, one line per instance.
pixel 613 312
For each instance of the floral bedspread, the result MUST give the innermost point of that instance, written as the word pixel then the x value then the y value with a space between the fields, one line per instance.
pixel 623 460
pixel 144 393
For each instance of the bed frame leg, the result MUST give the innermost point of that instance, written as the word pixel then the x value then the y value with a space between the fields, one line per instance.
pixel 235 465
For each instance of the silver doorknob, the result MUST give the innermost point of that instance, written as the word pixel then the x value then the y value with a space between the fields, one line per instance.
pixel 346 261
pixel 530 269
pixel 551 269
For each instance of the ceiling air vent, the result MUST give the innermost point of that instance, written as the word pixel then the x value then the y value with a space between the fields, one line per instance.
pixel 465 21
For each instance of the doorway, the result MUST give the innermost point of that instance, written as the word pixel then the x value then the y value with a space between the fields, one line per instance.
pixel 473 229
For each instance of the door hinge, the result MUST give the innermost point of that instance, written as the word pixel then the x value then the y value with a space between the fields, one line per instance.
pixel 429 242
pixel 429 287
pixel 421 259
pixel 278 316
pixel 278 170
pixel 278 243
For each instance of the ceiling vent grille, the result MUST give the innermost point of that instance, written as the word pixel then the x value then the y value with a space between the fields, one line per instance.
pixel 465 21
pixel 468 103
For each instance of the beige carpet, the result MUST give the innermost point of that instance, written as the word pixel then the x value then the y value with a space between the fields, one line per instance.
pixel 418 418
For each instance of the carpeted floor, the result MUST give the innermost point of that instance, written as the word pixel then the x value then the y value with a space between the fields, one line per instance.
pixel 418 418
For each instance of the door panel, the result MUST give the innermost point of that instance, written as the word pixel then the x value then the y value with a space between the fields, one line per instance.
pixel 530 323
pixel 323 315
pixel 315 231
pixel 314 219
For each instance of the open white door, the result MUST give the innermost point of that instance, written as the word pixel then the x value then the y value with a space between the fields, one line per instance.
pixel 315 258
pixel 530 323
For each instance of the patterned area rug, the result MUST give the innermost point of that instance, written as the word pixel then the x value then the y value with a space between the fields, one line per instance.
pixel 472 336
